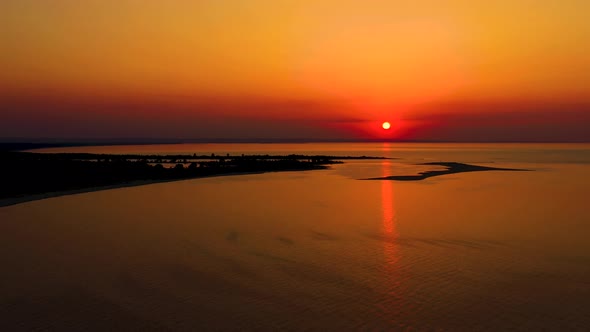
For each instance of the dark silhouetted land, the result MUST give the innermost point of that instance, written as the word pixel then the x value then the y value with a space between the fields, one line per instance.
pixel 451 168
pixel 31 176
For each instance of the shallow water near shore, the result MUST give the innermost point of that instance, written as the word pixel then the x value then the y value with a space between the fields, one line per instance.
pixel 314 250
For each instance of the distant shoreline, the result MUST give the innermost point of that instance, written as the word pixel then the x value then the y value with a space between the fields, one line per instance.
pixel 29 176
pixel 4 202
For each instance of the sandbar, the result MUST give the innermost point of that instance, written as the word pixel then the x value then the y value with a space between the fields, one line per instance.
pixel 451 168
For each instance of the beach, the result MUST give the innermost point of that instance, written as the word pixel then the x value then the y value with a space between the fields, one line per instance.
pixel 452 168
pixel 36 197
pixel 29 176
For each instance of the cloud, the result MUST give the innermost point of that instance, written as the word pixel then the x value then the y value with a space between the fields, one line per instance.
pixel 503 122
pixel 164 118
pixel 275 119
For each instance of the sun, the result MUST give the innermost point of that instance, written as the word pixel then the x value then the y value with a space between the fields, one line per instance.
pixel 386 125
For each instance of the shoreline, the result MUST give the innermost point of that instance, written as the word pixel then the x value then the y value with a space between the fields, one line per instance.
pixel 5 202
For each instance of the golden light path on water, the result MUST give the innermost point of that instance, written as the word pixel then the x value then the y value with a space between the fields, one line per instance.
pixel 392 305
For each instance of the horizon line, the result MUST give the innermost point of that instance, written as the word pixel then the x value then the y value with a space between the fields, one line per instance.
pixel 149 141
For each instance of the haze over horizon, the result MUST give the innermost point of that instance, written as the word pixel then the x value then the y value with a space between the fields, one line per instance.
pixel 295 70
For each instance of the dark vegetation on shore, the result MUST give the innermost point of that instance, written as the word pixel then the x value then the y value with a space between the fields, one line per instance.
pixel 24 173
pixel 451 168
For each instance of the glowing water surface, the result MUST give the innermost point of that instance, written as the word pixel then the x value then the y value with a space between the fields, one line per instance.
pixel 315 250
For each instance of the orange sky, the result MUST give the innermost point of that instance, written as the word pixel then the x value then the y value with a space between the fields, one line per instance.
pixel 313 69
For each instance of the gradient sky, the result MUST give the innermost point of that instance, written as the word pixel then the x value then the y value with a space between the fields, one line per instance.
pixel 441 70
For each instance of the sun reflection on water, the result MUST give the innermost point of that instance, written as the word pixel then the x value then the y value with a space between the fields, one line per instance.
pixel 389 229
pixel 391 306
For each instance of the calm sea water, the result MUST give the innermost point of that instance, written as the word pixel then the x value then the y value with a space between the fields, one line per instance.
pixel 315 250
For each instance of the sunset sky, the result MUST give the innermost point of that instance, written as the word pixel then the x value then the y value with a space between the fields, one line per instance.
pixel 438 70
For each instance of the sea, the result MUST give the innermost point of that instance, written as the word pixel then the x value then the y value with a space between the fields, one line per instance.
pixel 320 250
